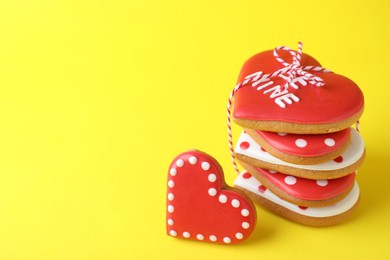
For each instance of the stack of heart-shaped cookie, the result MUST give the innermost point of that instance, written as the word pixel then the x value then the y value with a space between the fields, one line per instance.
pixel 298 146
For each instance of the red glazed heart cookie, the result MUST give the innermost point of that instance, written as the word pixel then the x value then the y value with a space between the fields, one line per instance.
pixel 302 148
pixel 301 191
pixel 200 206
pixel 323 216
pixel 288 91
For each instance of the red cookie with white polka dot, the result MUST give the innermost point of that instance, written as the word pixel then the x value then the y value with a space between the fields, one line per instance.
pixel 312 216
pixel 302 148
pixel 301 191
pixel 200 205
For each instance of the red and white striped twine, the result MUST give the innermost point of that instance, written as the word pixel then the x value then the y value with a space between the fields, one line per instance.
pixel 229 126
pixel 295 69
pixel 289 72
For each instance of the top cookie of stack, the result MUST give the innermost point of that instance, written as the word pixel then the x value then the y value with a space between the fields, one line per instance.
pixel 297 118
pixel 286 93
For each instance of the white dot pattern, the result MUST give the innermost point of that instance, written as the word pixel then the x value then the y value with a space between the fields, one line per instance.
pixel 171 184
pixel 171 209
pixel 322 183
pixel 213 238
pixel 193 160
pixel 170 222
pixel 301 143
pixel 245 225
pixel 290 180
pixel 212 177
pixel 173 172
pixel 171 196
pixel 180 163
pixel 227 240
pixel 212 192
pixel 245 212
pixel 186 234
pixel 222 198
pixel 239 235
pixel 199 236
pixel 173 233
pixel 205 166
pixel 235 203
pixel 330 142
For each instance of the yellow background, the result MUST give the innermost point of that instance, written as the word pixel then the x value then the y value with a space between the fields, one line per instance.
pixel 97 97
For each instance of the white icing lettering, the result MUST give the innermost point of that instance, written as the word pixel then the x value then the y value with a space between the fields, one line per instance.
pixel 265 78
pixel 281 94
pixel 269 83
pixel 301 80
pixel 276 91
pixel 294 74
pixel 252 77
pixel 288 98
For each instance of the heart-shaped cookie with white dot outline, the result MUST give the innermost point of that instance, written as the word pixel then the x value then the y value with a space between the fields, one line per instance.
pixel 201 206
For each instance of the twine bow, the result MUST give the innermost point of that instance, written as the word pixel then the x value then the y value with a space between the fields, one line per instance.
pixel 295 70
pixel 291 72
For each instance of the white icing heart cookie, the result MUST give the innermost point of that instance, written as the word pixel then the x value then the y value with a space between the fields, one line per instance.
pixel 249 152
pixel 323 216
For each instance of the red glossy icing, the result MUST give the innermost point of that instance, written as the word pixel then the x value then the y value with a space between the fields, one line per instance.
pixel 244 145
pixel 308 189
pixel 339 99
pixel 198 205
pixel 317 145
pixel 262 188
pixel 247 175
